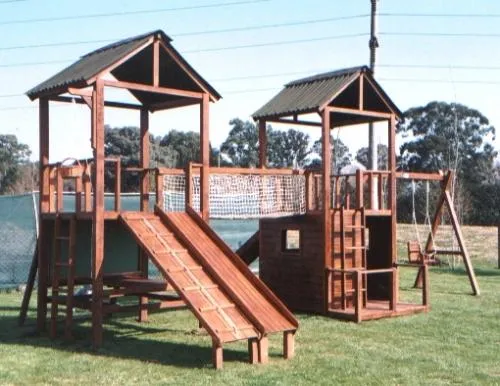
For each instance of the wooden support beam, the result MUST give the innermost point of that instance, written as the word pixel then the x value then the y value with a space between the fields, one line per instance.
pixel 357 112
pixel 361 101
pixel 88 101
pixel 326 192
pixel 263 348
pixel 288 344
pixel 159 190
pixel 358 302
pixel 153 89
pixel 217 355
pixel 294 121
pixel 394 289
pixel 204 157
pixel 144 203
pixel 156 63
pixel 391 151
pixel 98 215
pixel 425 289
pixel 44 205
pixel 262 145
pixel 253 352
pixel 461 243
pixel 359 189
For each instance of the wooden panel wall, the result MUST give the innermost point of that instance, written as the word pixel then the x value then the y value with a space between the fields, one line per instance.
pixel 297 278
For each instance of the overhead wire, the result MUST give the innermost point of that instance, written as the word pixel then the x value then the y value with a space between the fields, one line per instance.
pixel 128 13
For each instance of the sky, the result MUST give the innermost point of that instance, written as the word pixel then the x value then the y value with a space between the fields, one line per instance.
pixel 247 50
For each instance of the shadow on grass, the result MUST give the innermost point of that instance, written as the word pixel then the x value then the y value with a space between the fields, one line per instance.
pixel 480 272
pixel 124 340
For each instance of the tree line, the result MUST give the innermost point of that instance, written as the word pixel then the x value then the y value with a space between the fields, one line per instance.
pixel 434 137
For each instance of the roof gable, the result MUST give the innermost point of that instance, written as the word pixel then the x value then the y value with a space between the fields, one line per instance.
pixel 129 60
pixel 314 93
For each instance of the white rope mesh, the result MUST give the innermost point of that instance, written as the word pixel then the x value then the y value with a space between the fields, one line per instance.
pixel 241 195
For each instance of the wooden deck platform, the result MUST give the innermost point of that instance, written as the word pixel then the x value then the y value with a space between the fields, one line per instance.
pixel 377 309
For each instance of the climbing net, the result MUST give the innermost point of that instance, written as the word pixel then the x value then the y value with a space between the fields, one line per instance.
pixel 241 195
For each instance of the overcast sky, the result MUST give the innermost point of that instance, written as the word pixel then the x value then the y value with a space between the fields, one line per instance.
pixel 247 50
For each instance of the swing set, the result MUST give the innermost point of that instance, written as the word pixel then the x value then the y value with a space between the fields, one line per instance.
pixel 429 253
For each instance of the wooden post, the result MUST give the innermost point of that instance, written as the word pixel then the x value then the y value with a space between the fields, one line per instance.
pixel 189 186
pixel 358 279
pixel 253 351
pixel 144 205
pixel 159 190
pixel 118 185
pixel 394 289
pixel 391 151
pixel 288 344
pixel 359 189
pixel 262 145
pixel 326 193
pixel 44 202
pixel 205 158
pixel 217 357
pixel 425 285
pixel 98 214
pixel 263 347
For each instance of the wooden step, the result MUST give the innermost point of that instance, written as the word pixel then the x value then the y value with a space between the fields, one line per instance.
pixel 184 269
pixel 237 328
pixel 199 288
pixel 355 248
pixel 216 308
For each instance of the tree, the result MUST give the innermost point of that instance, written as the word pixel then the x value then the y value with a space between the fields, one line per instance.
pixel 444 135
pixel 339 154
pixel 14 157
pixel 362 156
pixel 287 148
pixel 242 144
pixel 125 143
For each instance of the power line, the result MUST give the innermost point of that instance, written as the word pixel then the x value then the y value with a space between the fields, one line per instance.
pixel 256 45
pixel 195 33
pixel 440 66
pixel 279 43
pixel 128 13
pixel 444 34
pixel 446 15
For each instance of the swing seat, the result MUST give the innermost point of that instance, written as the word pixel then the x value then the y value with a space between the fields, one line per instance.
pixel 417 256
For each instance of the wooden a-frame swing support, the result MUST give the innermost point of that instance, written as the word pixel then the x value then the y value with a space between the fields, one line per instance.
pixel 445 199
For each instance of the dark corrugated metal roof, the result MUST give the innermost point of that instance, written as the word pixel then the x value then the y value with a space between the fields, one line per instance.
pixel 308 94
pixel 311 93
pixel 96 61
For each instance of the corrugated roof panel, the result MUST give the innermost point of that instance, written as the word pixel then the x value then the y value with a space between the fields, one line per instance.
pixel 308 93
pixel 88 66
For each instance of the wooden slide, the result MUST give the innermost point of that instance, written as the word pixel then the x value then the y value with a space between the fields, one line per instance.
pixel 230 302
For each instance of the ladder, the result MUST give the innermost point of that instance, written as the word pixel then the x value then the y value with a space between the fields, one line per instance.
pixel 353 246
pixel 63 293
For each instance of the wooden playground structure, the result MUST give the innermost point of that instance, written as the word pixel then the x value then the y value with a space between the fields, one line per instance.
pixel 321 232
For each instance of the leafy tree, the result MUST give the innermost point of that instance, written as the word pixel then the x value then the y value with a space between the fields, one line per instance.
pixel 287 148
pixel 340 154
pixel 14 156
pixel 242 144
pixel 444 135
pixel 125 143
pixel 362 156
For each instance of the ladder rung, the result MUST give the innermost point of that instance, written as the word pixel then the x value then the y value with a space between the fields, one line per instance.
pixel 184 269
pixel 214 308
pixel 199 288
pixel 237 328
pixel 355 248
pixel 352 290
pixel 62 238
pixel 354 227
pixel 63 265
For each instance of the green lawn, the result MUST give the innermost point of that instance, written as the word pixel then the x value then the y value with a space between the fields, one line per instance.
pixel 458 341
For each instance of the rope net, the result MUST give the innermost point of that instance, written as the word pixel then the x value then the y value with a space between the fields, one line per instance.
pixel 241 195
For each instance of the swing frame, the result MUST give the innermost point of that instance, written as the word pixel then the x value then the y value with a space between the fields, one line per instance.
pixel 445 202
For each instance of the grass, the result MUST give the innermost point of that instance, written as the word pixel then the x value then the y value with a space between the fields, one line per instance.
pixel 458 341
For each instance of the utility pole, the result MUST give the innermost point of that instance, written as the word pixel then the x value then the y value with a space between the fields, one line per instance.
pixel 373 44
pixel 372 143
